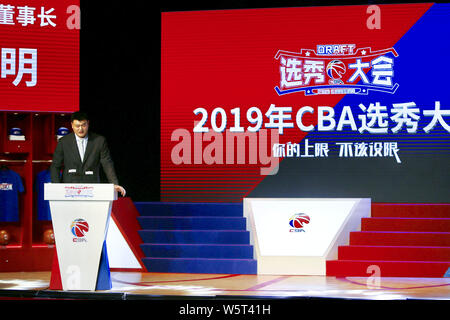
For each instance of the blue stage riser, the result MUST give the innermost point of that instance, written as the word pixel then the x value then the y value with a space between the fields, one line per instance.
pixel 195 238
pixel 189 209
pixel 221 266
pixel 198 251
pixel 196 223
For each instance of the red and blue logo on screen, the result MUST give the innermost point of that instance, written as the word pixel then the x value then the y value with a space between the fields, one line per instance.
pixel 297 222
pixel 336 69
pixel 79 228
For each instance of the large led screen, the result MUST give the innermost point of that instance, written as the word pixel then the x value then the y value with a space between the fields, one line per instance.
pixel 39 55
pixel 348 101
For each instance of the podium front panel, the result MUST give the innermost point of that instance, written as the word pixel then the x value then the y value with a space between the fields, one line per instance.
pixel 80 229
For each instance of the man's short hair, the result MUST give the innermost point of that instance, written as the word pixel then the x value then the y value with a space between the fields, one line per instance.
pixel 80 116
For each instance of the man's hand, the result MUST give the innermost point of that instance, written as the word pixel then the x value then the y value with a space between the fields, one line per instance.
pixel 120 189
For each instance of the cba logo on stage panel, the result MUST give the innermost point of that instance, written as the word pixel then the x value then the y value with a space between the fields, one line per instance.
pixel 79 228
pixel 297 222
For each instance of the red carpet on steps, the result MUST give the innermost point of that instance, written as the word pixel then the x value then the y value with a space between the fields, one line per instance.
pixel 403 240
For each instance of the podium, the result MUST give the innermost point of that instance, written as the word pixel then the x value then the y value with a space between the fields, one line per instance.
pixel 80 217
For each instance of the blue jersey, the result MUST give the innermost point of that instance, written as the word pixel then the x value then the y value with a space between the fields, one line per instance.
pixel 43 207
pixel 10 186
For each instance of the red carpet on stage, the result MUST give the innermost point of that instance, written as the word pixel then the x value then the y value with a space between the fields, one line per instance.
pixel 403 240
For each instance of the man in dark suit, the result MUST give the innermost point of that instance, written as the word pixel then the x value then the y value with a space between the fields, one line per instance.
pixel 80 155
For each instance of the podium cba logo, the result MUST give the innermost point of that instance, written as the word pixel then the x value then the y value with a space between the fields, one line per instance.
pixel 79 228
pixel 297 221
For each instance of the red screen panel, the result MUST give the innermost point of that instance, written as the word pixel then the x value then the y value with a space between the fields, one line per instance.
pixel 39 55
pixel 218 65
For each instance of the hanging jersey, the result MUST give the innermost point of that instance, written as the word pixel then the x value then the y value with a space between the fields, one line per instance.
pixel 43 207
pixel 10 186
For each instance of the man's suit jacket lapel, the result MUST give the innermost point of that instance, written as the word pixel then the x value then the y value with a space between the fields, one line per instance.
pixel 75 148
pixel 90 145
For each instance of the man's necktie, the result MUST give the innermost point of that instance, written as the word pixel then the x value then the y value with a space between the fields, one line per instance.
pixel 82 149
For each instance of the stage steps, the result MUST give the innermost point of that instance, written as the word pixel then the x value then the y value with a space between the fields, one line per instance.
pixel 195 238
pixel 403 240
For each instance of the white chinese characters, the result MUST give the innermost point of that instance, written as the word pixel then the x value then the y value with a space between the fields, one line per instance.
pixel 374 118
pixel 25 15
pixel 26 59
pixel 361 149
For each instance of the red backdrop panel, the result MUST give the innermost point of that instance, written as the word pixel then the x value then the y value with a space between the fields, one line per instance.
pixel 45 27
